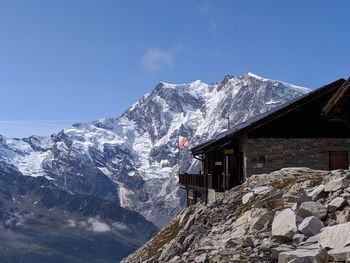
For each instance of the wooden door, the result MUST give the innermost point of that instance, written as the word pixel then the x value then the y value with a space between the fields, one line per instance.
pixel 231 171
pixel 338 160
pixel 217 169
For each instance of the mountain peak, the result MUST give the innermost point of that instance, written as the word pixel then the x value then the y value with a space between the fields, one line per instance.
pixel 134 158
pixel 253 75
pixel 172 85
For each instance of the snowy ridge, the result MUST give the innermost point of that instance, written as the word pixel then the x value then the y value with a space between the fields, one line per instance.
pixel 134 159
pixel 284 83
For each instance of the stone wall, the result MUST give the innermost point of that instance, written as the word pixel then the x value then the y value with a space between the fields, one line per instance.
pixel 264 155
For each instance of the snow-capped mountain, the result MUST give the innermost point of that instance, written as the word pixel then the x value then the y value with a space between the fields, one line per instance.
pixel 134 159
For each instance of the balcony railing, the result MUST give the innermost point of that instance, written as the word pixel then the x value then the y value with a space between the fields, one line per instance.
pixel 219 183
pixel 192 180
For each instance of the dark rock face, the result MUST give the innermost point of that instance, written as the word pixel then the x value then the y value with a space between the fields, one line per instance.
pixel 40 222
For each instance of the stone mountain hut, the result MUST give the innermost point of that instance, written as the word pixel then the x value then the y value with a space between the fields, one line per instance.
pixel 311 131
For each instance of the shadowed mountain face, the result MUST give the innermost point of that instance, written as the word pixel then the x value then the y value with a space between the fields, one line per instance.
pixel 41 223
pixel 133 160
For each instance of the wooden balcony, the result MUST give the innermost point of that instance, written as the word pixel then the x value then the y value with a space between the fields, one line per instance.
pixel 192 180
pixel 219 183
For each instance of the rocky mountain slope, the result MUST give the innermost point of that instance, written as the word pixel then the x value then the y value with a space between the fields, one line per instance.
pixel 41 223
pixel 133 160
pixel 291 215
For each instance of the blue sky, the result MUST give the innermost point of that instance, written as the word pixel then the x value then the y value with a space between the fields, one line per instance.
pixel 78 60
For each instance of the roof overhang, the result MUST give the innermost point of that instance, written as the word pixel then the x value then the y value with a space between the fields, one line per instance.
pixel 333 106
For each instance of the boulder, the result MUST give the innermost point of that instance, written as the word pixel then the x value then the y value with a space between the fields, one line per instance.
pixel 304 255
pixel 340 254
pixel 175 259
pixel 262 190
pixel 336 184
pixel 247 197
pixel 266 245
pixel 314 194
pixel 335 204
pixel 284 225
pixel 343 216
pixel 271 201
pixel 335 237
pixel 203 258
pixel 247 241
pixel 310 226
pixel 276 251
pixel 241 225
pixel 261 220
pixel 296 197
pixel 311 208
pixel 311 242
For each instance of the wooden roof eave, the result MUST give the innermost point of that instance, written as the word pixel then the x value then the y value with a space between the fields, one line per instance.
pixel 334 103
pixel 288 108
pixel 209 146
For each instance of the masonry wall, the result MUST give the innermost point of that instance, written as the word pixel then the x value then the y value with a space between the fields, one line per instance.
pixel 264 155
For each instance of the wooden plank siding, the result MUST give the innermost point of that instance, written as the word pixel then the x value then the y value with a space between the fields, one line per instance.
pixel 338 160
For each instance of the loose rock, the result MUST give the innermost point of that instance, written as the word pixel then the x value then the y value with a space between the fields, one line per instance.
pixel 310 226
pixel 298 238
pixel 334 185
pixel 284 225
pixel 247 197
pixel 337 236
pixel 261 190
pixel 201 259
pixel 241 225
pixel 304 255
pixel 343 216
pixel 336 203
pixel 310 208
pixel 261 220
pixel 339 255
pixel 276 251
pixel 316 192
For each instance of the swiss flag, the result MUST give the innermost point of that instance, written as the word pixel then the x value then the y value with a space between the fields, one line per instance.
pixel 182 142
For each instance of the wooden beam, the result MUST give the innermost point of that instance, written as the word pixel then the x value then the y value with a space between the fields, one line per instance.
pixel 334 103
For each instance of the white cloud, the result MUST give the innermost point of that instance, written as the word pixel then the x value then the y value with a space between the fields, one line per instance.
pixel 71 223
pixel 155 58
pixel 97 226
pixel 119 226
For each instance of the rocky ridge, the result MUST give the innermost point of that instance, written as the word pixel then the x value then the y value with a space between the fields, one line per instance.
pixel 291 215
